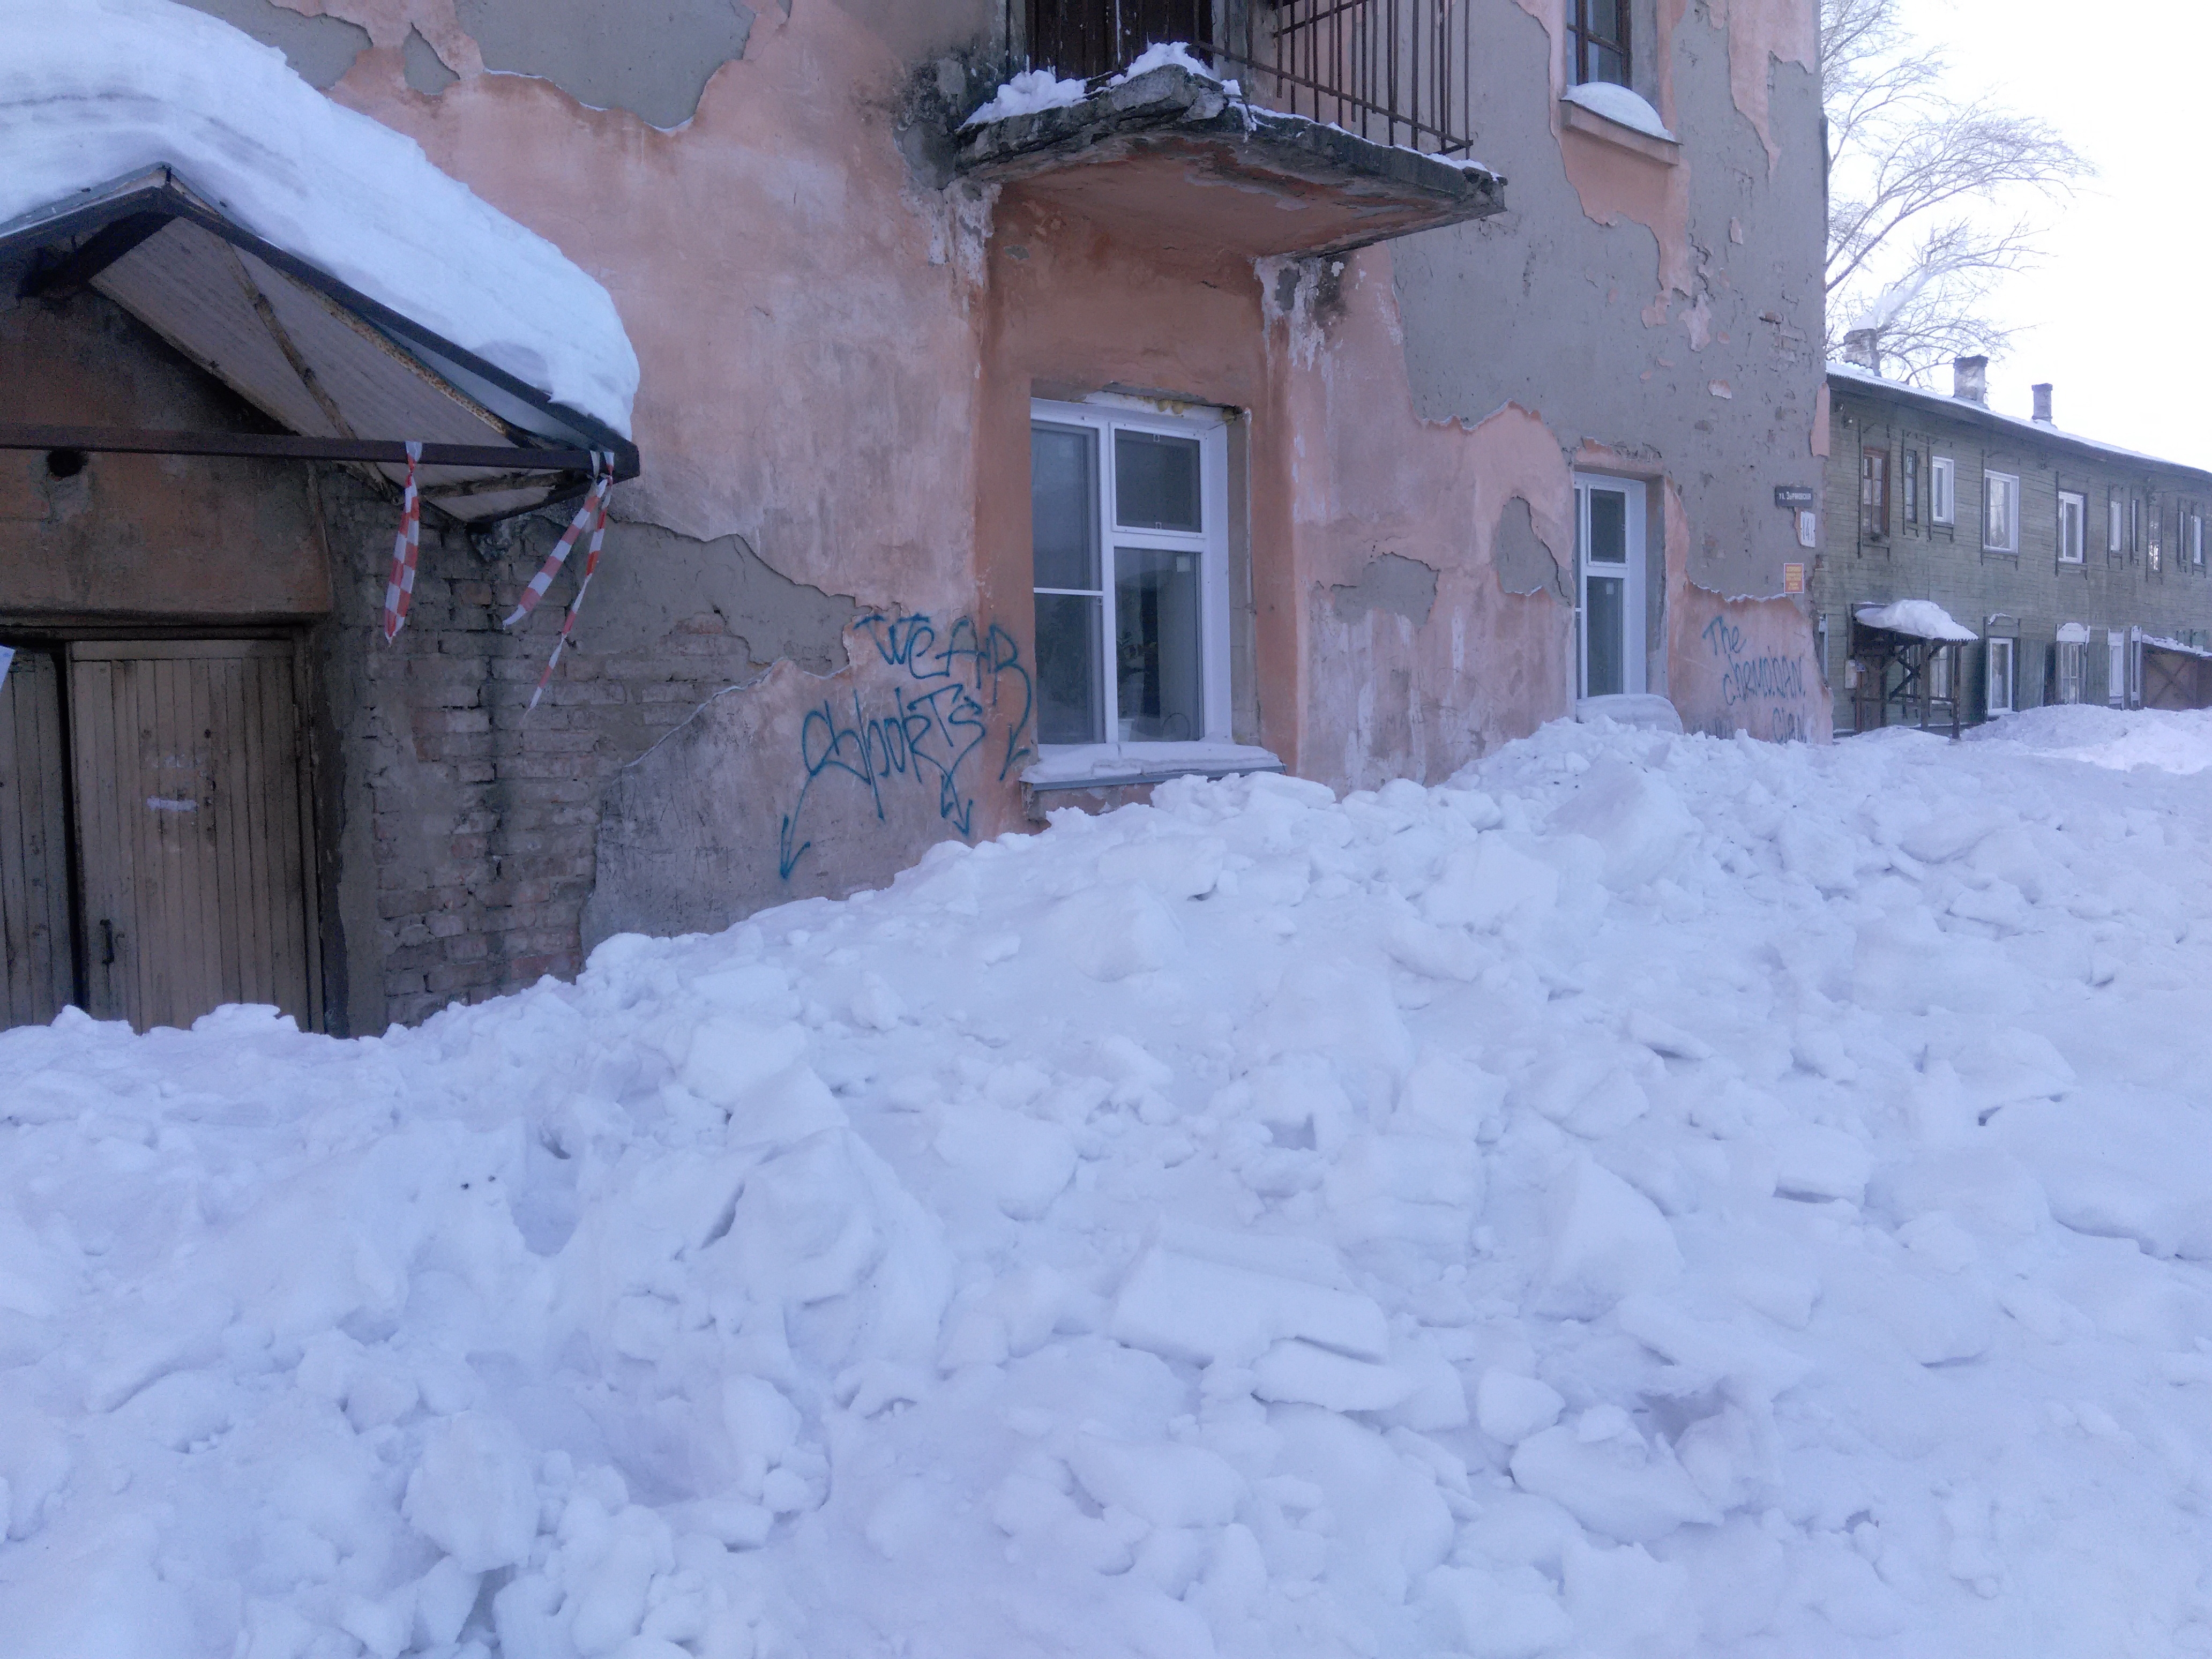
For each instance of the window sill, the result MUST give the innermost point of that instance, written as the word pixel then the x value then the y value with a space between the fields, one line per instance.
pixel 1118 765
pixel 1574 118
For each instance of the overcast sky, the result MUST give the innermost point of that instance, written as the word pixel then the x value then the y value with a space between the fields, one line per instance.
pixel 2118 318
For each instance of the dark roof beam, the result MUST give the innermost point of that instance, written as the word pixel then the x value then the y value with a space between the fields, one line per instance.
pixel 70 273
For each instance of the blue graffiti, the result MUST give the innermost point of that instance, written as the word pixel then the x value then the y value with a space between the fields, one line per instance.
pixel 1752 679
pixel 938 718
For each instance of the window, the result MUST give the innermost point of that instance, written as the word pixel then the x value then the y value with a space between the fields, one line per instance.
pixel 1129 551
pixel 2073 662
pixel 1999 686
pixel 2000 513
pixel 2115 527
pixel 1609 561
pixel 2151 545
pixel 1597 41
pixel 2073 516
pixel 1874 493
pixel 2116 667
pixel 2196 540
pixel 1912 482
pixel 1937 674
pixel 2135 527
pixel 1941 495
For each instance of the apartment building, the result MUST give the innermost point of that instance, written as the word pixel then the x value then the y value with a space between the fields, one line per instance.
pixel 2077 567
pixel 995 410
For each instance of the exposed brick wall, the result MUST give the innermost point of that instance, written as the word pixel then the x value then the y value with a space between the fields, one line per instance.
pixel 482 814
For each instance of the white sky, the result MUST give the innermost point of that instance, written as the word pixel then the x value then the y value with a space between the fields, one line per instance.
pixel 2116 319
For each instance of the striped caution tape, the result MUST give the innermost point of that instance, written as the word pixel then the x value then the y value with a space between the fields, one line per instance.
pixel 406 549
pixel 593 512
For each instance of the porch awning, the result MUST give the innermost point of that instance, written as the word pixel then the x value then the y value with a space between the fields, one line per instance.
pixel 314 260
pixel 354 379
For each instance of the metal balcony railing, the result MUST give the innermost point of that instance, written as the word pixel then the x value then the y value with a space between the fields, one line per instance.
pixel 1394 71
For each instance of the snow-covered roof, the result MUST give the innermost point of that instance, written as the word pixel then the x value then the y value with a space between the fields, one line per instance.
pixel 1852 376
pixel 95 91
pixel 1036 89
pixel 2158 642
pixel 1921 618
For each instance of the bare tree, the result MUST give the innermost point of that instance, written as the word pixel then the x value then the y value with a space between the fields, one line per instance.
pixel 1932 200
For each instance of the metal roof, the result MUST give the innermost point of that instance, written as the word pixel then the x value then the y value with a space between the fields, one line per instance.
pixel 1849 377
pixel 354 379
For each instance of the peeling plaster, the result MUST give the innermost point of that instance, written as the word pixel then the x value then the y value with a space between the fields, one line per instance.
pixel 1391 582
pixel 654 582
pixel 320 50
pixel 607 57
pixel 1762 33
pixel 1523 562
pixel 426 72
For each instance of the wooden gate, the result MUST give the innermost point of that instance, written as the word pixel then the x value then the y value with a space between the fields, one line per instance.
pixel 192 829
pixel 37 977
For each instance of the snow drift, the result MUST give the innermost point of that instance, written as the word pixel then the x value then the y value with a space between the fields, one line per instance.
pixel 94 91
pixel 1653 1196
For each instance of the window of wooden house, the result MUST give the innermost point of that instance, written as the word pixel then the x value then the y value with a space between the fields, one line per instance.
pixel 1942 489
pixel 2001 513
pixel 2073 516
pixel 1910 482
pixel 1874 493
pixel 2151 548
pixel 2116 527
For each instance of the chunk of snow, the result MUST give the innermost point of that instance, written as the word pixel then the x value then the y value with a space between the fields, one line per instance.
pixel 92 91
pixel 1921 618
pixel 1621 104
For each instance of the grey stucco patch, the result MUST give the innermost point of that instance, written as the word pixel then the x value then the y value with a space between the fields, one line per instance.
pixel 320 50
pixel 653 60
pixel 1391 582
pixel 1525 564
pixel 651 581
pixel 1543 306
pixel 427 72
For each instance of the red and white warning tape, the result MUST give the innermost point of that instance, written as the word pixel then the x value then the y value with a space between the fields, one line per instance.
pixel 594 513
pixel 406 548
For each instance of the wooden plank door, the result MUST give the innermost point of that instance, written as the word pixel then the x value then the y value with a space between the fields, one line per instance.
pixel 193 831
pixel 37 968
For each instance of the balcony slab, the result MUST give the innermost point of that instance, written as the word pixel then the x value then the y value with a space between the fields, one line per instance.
pixel 1173 157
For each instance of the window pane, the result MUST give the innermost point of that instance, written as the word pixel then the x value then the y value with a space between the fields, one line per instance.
pixel 1607 605
pixel 1067 668
pixel 1155 646
pixel 1608 526
pixel 1064 506
pixel 1156 482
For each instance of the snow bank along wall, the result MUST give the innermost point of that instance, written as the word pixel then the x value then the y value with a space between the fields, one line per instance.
pixel 810 650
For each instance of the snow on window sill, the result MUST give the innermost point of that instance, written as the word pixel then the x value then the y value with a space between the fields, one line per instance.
pixel 1616 116
pixel 1098 765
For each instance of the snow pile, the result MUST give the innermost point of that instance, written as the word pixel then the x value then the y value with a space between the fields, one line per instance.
pixel 1923 619
pixel 2116 738
pixel 1656 1196
pixel 94 91
pixel 1619 104
pixel 1033 91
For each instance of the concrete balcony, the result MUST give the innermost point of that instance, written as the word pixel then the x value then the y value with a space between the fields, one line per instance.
pixel 1177 157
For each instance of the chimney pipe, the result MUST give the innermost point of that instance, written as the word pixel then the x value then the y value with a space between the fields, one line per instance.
pixel 2042 402
pixel 1863 346
pixel 1970 379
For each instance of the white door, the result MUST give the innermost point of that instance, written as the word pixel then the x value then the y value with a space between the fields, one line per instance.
pixel 1609 584
pixel 2116 671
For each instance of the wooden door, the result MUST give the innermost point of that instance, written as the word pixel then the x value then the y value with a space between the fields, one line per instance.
pixel 37 976
pixel 192 829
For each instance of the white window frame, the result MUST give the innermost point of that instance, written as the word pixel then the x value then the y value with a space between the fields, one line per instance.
pixel 1211 544
pixel 2073 525
pixel 1942 489
pixel 1997 648
pixel 2116 667
pixel 2000 490
pixel 1635 623
pixel 2196 540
